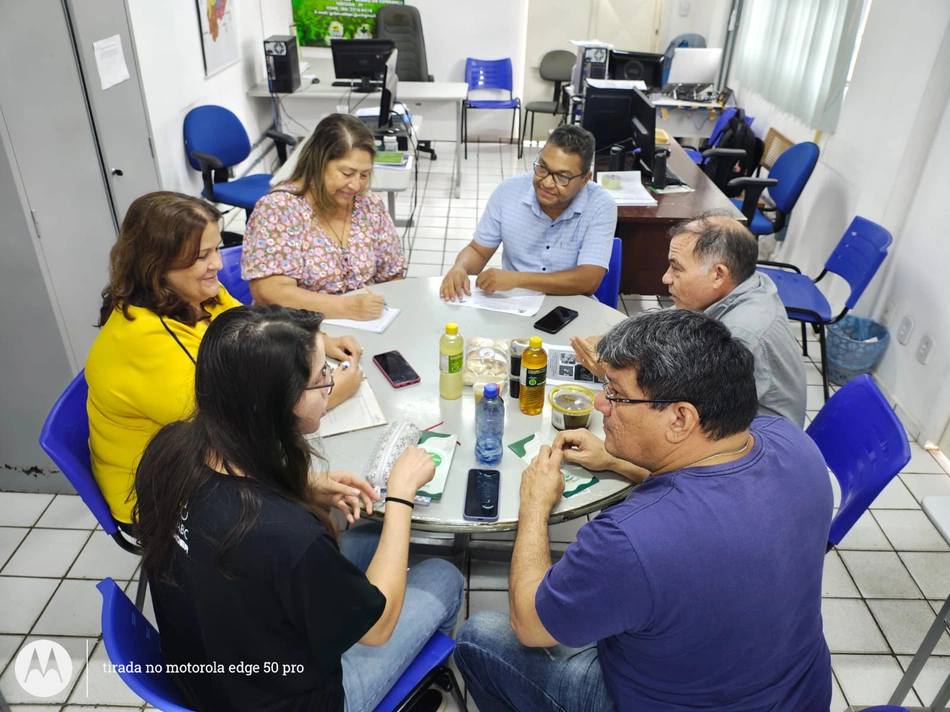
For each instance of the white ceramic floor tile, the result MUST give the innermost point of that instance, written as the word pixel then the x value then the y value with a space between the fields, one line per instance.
pixel 23 601
pixel 46 552
pixel 425 257
pixel 925 485
pixel 460 212
pixel 75 609
pixel 432 222
pixel 464 203
pixel 431 245
pixel 488 575
pixel 104 686
pixel 432 202
pixel 21 509
pixel 930 570
pixel 814 399
pixel 905 623
pixel 838 701
pixel 82 707
pixel 922 461
pixel 455 233
pixel 865 535
pixel 487 601
pixel 933 675
pixel 10 538
pixel 75 647
pixel 566 531
pixel 836 581
pixel 868 679
pixel 102 557
pixel 880 574
pixel 849 627
pixel 67 511
pixel 461 223
pixel 9 645
pixel 910 531
pixel 431 233
pixel 896 496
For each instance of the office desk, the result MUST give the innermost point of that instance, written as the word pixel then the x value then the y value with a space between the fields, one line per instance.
pixel 439 103
pixel 415 333
pixel 644 230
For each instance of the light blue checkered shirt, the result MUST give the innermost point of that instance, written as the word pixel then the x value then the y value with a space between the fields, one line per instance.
pixel 582 235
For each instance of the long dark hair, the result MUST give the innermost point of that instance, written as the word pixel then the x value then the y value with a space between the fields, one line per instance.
pixel 161 232
pixel 253 365
pixel 334 137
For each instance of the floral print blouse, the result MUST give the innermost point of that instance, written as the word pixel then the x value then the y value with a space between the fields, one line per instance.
pixel 283 237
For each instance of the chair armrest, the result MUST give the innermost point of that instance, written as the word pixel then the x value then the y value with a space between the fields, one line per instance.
pixel 753 188
pixel 208 164
pixel 781 265
pixel 729 152
pixel 684 146
pixel 282 141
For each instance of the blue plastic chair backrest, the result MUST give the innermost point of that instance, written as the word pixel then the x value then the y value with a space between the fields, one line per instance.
pixel 65 438
pixel 864 445
pixel 609 289
pixel 215 130
pixel 130 638
pixel 720 126
pixel 792 170
pixel 230 275
pixel 858 255
pixel 488 74
pixel 436 651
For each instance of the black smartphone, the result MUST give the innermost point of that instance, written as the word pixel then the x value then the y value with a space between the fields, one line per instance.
pixel 481 497
pixel 555 320
pixel 396 369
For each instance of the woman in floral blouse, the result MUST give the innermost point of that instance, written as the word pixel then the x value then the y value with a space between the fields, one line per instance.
pixel 323 234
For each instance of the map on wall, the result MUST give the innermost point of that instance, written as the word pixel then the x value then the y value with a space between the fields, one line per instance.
pixel 319 21
pixel 219 35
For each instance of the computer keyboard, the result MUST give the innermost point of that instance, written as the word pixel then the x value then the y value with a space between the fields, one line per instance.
pixel 344 83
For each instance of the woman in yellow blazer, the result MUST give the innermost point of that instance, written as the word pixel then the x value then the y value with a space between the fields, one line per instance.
pixel 163 292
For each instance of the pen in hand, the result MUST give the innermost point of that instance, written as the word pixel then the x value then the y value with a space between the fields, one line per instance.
pixel 368 291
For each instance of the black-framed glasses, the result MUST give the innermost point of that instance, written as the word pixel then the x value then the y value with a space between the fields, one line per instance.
pixel 324 373
pixel 560 180
pixel 617 399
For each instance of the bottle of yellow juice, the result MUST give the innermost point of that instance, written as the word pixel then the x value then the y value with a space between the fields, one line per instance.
pixel 534 371
pixel 451 359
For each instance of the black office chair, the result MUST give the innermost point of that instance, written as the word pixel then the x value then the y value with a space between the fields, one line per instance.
pixel 403 25
pixel 556 66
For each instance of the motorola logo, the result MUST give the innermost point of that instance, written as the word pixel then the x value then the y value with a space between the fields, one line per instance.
pixel 43 668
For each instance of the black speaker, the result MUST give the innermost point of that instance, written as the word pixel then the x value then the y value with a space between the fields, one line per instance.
pixel 283 67
pixel 641 66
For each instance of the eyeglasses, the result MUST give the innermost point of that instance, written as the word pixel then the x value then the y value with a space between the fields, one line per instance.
pixel 617 399
pixel 324 373
pixel 560 180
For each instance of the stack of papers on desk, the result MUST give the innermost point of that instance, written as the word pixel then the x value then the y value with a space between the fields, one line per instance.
pixel 356 413
pixel 523 302
pixel 377 326
pixel 631 191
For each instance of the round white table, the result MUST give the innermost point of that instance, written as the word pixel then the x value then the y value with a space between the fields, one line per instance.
pixel 415 333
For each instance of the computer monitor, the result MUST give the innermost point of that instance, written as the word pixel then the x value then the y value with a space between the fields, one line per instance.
pixel 694 66
pixel 361 59
pixel 643 128
pixel 644 66
pixel 390 84
pixel 607 116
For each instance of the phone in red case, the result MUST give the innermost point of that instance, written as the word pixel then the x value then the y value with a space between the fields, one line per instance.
pixel 396 369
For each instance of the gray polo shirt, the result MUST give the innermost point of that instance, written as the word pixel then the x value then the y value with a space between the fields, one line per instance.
pixel 755 315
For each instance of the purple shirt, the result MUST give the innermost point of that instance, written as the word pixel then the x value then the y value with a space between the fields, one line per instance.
pixel 702 589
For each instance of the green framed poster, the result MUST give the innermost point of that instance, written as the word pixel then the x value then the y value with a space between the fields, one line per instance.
pixel 319 21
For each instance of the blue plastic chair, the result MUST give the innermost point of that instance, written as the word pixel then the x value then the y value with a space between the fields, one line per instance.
pixel 65 438
pixel 856 258
pixel 490 74
pixel 695 154
pixel 609 290
pixel 786 182
pixel 864 446
pixel 230 275
pixel 130 638
pixel 215 140
pixel 886 708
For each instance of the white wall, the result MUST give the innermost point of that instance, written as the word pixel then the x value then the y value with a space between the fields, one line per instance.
pixel 704 17
pixel 168 46
pixel 884 162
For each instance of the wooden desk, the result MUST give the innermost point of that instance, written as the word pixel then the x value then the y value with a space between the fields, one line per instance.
pixel 644 230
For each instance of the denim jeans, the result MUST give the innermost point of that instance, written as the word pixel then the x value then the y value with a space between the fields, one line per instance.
pixel 502 675
pixel 434 590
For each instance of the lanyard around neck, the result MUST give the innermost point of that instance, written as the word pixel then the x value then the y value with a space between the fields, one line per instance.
pixel 177 340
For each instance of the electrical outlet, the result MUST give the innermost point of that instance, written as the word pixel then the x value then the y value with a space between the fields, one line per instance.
pixel 907 328
pixel 890 306
pixel 923 351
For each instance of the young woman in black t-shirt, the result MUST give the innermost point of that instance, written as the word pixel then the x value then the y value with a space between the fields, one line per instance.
pixel 258 603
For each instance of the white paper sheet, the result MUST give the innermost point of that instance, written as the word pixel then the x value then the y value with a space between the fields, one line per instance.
pixel 110 61
pixel 564 368
pixel 523 302
pixel 631 191
pixel 377 326
pixel 618 84
pixel 356 413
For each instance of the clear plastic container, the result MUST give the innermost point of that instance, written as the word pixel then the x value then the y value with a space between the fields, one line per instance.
pixel 571 406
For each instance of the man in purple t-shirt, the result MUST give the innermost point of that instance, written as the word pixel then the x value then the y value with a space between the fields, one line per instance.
pixel 702 589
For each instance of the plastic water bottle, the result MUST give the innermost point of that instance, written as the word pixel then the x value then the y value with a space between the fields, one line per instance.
pixel 489 426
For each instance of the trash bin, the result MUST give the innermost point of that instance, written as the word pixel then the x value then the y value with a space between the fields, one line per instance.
pixel 854 345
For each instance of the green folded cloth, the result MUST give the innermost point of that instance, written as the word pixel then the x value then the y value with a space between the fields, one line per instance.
pixel 576 478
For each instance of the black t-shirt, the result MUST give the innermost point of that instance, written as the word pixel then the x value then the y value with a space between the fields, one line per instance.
pixel 287 602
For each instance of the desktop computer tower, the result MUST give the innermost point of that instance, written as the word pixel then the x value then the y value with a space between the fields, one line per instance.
pixel 283 67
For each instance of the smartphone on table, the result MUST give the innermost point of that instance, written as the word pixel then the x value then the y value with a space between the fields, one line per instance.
pixel 555 320
pixel 396 369
pixel 481 496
